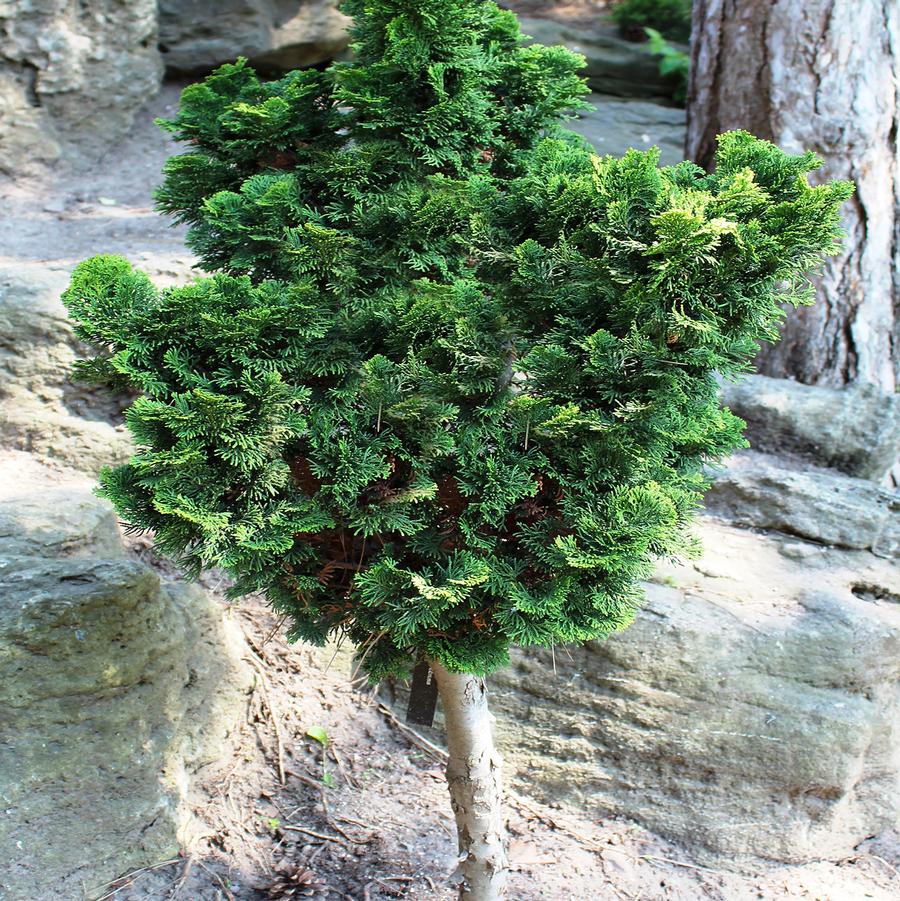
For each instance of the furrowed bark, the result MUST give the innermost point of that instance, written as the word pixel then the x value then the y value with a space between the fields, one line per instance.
pixel 474 781
pixel 820 75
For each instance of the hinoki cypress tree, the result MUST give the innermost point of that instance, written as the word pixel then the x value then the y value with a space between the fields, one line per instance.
pixel 453 383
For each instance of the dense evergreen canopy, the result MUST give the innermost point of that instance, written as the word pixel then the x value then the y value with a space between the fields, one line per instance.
pixel 452 384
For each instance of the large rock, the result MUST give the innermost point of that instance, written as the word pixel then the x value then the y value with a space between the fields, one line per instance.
pixel 114 688
pixel 750 712
pixel 41 409
pixel 761 491
pixel 614 66
pixel 273 34
pixel 613 125
pixel 855 429
pixel 72 75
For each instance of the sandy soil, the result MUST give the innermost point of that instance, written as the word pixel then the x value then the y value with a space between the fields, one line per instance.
pixel 365 815
pixel 67 215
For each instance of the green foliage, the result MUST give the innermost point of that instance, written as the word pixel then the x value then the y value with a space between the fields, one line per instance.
pixel 452 384
pixel 673 64
pixel 672 18
pixel 318 733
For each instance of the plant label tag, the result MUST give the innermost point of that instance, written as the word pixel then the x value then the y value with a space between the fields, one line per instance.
pixel 422 696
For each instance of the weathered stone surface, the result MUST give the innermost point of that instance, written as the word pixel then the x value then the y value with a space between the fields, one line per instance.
pixel 614 65
pixel 71 76
pixel 614 125
pixel 274 34
pixel 114 687
pixel 41 409
pixel 750 712
pixel 760 491
pixel 855 429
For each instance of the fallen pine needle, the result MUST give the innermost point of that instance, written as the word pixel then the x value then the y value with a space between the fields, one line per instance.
pixel 337 759
pixel 388 888
pixel 276 628
pixel 345 819
pixel 882 860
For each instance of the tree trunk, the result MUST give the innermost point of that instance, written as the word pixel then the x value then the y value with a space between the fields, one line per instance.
pixel 473 777
pixel 820 75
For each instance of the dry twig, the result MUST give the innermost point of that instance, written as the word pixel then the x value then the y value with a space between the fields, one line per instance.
pixel 337 759
pixel 330 820
pixel 321 835
pixel 416 737
pixel 257 664
pixel 129 878
pixel 306 780
pixel 179 883
pixel 346 819
pixel 218 879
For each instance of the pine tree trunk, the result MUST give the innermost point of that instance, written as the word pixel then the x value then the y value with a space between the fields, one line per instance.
pixel 473 777
pixel 822 75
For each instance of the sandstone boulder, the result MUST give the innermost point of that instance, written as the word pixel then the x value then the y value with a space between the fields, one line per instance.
pixel 71 77
pixel 613 125
pixel 751 712
pixel 114 688
pixel 855 429
pixel 273 34
pixel 41 409
pixel 766 492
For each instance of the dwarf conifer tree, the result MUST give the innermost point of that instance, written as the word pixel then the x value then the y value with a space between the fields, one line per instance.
pixel 451 383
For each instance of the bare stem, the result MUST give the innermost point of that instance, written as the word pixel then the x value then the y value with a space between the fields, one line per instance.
pixel 474 779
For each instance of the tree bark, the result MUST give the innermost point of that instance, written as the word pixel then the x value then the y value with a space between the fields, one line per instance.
pixel 820 75
pixel 474 780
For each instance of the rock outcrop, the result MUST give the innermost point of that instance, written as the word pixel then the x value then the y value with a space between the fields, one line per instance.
pixel 613 125
pixel 761 491
pixel 273 34
pixel 72 76
pixel 114 688
pixel 855 429
pixel 750 712
pixel 41 409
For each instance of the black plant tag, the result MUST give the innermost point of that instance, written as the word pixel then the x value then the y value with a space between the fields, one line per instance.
pixel 422 696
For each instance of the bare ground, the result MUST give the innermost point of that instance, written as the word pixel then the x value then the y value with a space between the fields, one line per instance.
pixel 365 815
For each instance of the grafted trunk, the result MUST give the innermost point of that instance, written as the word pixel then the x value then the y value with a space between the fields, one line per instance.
pixel 474 781
pixel 821 75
